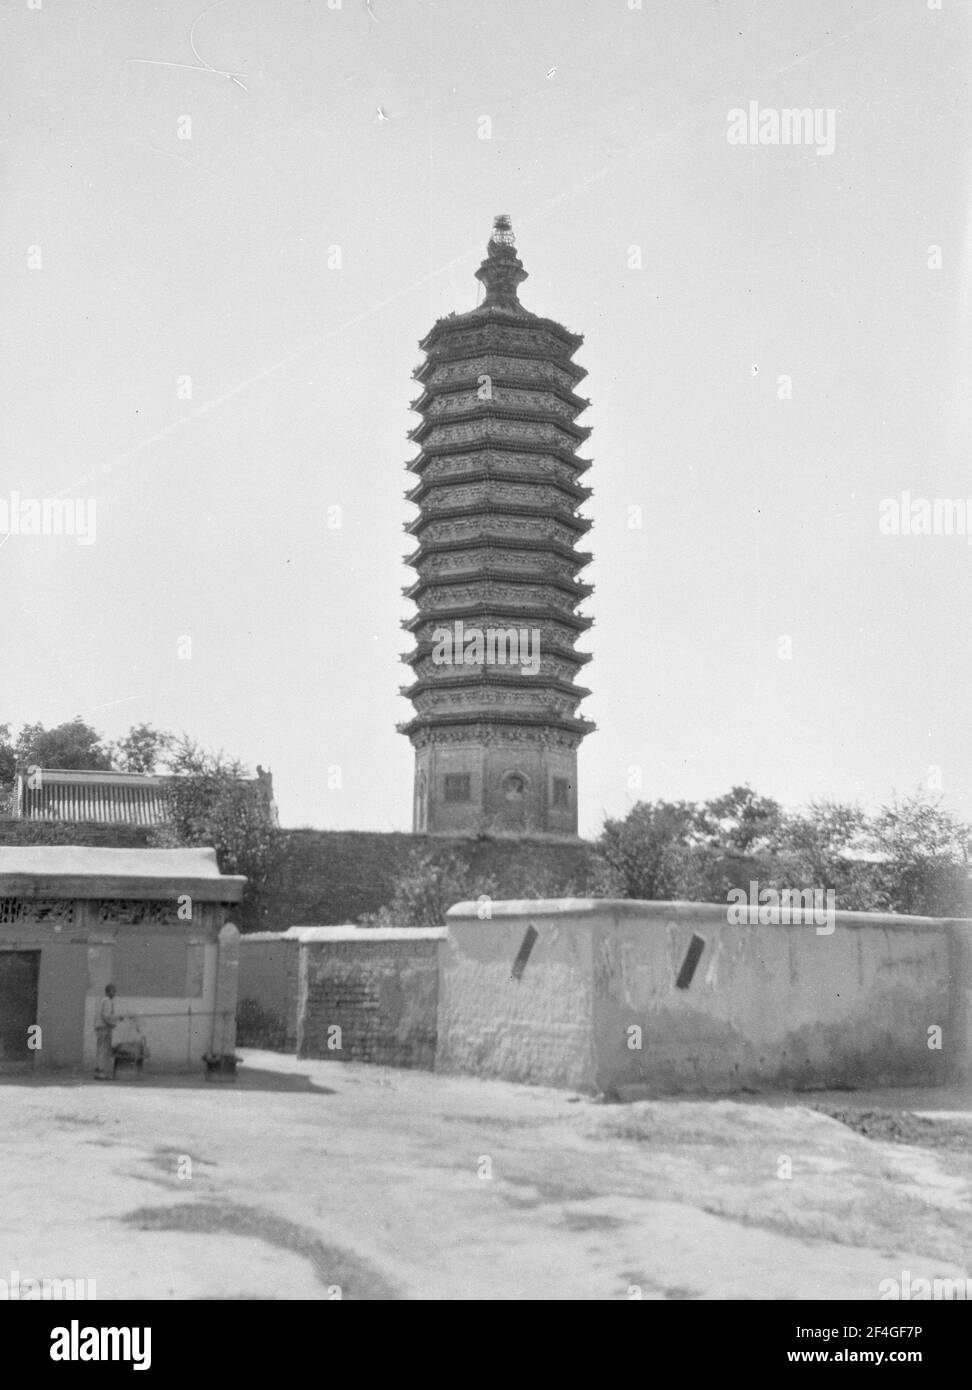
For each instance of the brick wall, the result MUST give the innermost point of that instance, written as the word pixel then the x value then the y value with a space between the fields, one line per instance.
pixel 336 876
pixel 39 832
pixel 381 993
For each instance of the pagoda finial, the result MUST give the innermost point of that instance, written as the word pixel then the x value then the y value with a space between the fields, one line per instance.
pixel 502 270
pixel 503 229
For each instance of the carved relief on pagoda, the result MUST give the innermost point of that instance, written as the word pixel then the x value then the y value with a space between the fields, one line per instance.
pixel 510 397
pixel 554 635
pixel 535 701
pixel 494 591
pixel 491 334
pixel 551 667
pixel 487 735
pixel 526 562
pixel 530 432
pixel 545 402
pixel 533 529
pixel 498 492
pixel 511 465
pixel 496 365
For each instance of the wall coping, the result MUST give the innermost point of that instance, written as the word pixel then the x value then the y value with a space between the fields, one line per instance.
pixel 310 935
pixel 264 936
pixel 90 871
pixel 662 912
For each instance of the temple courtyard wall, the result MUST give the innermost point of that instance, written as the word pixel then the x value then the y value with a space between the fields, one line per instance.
pixel 611 996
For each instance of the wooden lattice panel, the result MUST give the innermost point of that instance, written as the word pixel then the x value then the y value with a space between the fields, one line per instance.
pixel 15 912
pixel 134 912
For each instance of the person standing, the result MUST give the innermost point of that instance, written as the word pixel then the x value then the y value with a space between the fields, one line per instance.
pixel 105 1021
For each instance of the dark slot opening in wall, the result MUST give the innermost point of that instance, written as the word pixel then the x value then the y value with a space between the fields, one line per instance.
pixel 523 954
pixel 692 957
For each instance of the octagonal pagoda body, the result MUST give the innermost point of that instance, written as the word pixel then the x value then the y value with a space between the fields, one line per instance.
pixel 495 728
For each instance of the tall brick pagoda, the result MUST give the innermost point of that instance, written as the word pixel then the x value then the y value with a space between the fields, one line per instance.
pixel 495 729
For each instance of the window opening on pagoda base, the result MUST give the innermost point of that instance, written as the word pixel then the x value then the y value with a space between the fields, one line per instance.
pixel 457 787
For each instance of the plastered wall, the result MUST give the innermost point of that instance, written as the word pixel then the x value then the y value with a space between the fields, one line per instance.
pixel 596 1003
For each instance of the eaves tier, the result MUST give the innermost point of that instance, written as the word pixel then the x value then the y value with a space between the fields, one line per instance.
pixel 498 487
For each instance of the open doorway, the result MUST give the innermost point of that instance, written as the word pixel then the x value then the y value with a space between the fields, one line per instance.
pixel 19 973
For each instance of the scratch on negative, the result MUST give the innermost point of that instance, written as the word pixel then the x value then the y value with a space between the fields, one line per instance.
pixel 202 65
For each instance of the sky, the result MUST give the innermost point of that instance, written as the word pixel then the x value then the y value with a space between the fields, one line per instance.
pixel 213 295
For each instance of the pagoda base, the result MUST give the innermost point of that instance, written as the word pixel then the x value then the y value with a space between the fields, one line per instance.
pixel 501 787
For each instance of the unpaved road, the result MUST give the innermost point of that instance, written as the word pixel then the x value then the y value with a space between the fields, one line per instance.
pixel 305 1178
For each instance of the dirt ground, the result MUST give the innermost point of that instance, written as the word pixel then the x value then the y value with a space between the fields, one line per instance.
pixel 312 1180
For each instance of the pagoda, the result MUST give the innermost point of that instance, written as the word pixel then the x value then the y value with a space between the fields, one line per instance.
pixel 494 666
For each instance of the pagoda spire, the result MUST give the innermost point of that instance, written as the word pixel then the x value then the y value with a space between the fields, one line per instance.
pixel 502 270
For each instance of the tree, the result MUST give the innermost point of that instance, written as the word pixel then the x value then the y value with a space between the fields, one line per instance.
pixel 913 857
pixel 686 851
pixel 646 854
pixel 741 822
pixel 8 757
pixel 827 846
pixel 431 883
pixel 74 745
pixel 925 857
pixel 212 802
pixel 8 771
pixel 143 749
pixel 77 746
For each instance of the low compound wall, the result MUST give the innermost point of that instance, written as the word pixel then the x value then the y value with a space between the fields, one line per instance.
pixel 267 1010
pixel 368 994
pixel 339 876
pixel 93 833
pixel 599 995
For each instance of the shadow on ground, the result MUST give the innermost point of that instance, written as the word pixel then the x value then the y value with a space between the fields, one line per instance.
pixel 247 1078
pixel 344 1274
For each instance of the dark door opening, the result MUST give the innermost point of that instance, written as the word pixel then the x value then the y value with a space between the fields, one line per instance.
pixel 19 972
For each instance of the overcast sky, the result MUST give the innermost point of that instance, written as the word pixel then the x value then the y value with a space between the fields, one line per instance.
pixel 164 258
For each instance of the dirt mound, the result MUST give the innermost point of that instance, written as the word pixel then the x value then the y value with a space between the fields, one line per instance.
pixel 902 1127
